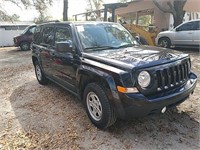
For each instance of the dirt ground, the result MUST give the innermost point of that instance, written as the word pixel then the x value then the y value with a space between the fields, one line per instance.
pixel 48 117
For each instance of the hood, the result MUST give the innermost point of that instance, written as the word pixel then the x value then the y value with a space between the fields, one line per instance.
pixel 138 56
pixel 166 32
pixel 18 36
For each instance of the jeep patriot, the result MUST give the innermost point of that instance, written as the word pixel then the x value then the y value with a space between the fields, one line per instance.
pixel 109 71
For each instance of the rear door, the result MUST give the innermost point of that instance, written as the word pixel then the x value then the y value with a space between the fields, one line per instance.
pixel 184 34
pixel 46 48
pixel 196 35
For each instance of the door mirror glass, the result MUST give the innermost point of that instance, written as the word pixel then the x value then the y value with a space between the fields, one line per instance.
pixel 64 46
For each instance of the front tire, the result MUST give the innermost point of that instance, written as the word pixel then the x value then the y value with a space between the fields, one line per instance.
pixel 39 74
pixel 164 42
pixel 98 108
pixel 25 46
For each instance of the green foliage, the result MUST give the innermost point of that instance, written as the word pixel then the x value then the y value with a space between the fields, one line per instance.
pixel 5 17
pixel 94 4
pixel 40 5
pixel 42 19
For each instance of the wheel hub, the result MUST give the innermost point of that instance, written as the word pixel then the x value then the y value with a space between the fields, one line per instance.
pixel 94 106
pixel 38 72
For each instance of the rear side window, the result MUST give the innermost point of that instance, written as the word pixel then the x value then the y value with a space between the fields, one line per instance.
pixel 48 35
pixel 197 25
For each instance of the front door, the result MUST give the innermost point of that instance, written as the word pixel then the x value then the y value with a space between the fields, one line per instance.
pixel 184 34
pixel 64 64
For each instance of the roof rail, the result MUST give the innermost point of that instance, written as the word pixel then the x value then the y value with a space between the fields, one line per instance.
pixel 50 21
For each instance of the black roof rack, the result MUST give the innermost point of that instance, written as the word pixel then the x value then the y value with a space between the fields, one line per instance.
pixel 49 21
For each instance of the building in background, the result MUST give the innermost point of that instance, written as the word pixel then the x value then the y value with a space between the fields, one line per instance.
pixel 145 13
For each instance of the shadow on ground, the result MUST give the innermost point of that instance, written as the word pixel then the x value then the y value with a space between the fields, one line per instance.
pixel 52 110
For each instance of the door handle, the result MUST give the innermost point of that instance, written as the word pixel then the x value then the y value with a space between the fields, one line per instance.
pixel 190 33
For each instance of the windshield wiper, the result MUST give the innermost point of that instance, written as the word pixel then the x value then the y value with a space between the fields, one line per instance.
pixel 97 48
pixel 125 45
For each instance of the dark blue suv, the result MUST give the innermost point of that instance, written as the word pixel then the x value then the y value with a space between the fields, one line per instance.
pixel 105 67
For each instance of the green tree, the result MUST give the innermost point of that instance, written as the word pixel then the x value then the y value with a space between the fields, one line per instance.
pixel 41 18
pixel 40 5
pixel 94 4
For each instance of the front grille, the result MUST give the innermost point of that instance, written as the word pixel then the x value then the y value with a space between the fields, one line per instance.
pixel 172 76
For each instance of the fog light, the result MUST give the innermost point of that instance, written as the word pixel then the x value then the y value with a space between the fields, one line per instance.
pixel 164 110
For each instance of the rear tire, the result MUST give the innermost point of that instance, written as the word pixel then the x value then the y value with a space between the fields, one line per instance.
pixel 164 42
pixel 25 46
pixel 98 108
pixel 39 74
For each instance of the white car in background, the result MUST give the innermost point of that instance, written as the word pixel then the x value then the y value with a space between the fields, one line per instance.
pixel 186 34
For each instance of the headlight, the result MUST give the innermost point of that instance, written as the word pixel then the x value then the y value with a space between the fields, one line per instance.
pixel 144 79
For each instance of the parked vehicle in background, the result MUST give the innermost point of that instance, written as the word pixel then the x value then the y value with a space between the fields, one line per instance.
pixel 25 39
pixel 8 31
pixel 104 66
pixel 185 35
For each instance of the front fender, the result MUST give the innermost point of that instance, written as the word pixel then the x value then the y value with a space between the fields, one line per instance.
pixel 103 77
pixel 100 76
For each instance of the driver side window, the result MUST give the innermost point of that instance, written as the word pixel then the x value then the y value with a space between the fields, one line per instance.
pixel 62 35
pixel 187 27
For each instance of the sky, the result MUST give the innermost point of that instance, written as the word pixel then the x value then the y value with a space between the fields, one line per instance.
pixel 56 11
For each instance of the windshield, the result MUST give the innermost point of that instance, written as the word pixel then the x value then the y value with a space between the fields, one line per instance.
pixel 29 29
pixel 103 36
pixel 25 30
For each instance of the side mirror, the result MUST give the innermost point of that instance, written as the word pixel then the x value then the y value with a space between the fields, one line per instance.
pixel 64 46
pixel 137 39
pixel 178 29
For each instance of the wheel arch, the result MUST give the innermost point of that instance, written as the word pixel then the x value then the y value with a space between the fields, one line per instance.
pixel 85 77
pixel 24 41
pixel 163 38
pixel 34 59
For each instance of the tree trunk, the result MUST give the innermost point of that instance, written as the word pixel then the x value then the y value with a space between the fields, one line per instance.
pixel 179 13
pixel 178 19
pixel 176 9
pixel 65 10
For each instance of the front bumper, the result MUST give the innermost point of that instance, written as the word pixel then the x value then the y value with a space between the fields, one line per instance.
pixel 156 40
pixel 16 43
pixel 137 105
